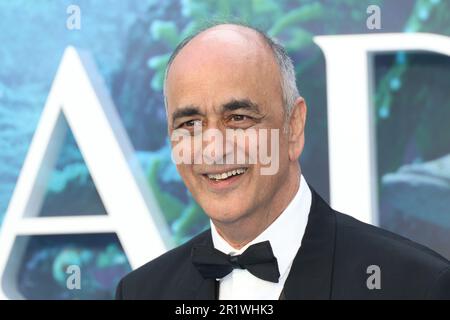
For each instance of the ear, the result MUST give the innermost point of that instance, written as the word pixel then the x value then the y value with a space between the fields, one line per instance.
pixel 296 134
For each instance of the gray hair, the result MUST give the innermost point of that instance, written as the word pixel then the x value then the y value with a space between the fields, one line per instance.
pixel 284 62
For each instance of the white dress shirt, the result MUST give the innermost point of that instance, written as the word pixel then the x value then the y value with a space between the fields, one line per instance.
pixel 285 235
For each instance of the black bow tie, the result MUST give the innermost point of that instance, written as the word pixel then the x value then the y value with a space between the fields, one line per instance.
pixel 258 259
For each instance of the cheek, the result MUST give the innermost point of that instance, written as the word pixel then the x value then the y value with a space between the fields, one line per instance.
pixel 284 148
pixel 185 172
pixel 265 186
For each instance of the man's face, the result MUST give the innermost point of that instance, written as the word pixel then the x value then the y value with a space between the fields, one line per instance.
pixel 225 80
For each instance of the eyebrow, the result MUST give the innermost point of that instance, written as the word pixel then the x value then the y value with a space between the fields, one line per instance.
pixel 187 111
pixel 237 104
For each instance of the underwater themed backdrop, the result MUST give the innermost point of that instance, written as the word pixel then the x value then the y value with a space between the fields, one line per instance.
pixel 131 41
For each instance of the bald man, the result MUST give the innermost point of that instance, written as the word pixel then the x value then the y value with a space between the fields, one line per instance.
pixel 272 236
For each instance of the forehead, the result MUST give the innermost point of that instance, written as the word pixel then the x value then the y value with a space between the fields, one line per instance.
pixel 219 65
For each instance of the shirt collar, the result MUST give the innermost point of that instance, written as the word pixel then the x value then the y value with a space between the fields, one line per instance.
pixel 285 233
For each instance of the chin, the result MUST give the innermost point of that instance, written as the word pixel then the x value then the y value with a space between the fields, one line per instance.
pixel 223 214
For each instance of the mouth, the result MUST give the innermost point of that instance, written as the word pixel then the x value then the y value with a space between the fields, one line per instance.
pixel 224 180
pixel 225 175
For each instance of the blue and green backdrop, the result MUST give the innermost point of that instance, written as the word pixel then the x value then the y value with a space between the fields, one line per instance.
pixel 131 42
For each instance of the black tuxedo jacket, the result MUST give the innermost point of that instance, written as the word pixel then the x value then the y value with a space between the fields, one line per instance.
pixel 332 263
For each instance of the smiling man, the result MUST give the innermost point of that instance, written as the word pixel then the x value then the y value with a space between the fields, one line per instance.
pixel 271 236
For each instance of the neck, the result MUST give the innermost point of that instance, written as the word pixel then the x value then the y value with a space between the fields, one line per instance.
pixel 242 231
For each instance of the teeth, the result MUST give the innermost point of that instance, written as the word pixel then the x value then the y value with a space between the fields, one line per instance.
pixel 221 176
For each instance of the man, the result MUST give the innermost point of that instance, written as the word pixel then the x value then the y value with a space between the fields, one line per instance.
pixel 271 236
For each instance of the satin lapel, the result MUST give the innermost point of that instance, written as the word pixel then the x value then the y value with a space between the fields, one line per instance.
pixel 311 273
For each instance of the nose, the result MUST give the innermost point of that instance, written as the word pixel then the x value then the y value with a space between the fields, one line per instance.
pixel 215 146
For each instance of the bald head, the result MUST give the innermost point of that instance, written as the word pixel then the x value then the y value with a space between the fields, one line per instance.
pixel 235 46
pixel 230 34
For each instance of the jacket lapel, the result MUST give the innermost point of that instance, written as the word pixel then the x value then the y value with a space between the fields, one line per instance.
pixel 192 286
pixel 310 276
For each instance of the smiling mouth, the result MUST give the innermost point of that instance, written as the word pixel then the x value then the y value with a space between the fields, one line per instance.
pixel 225 175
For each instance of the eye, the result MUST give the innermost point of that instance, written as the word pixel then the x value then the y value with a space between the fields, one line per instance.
pixel 239 117
pixel 191 123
